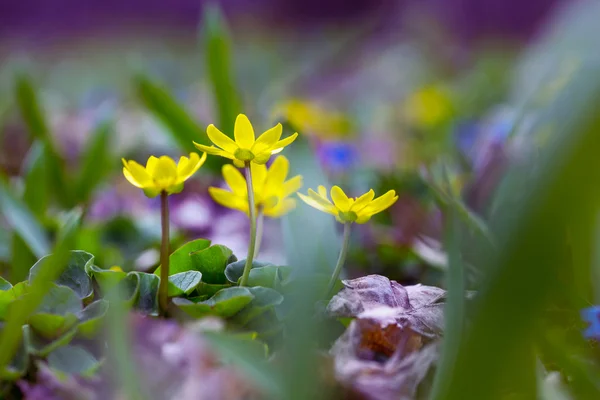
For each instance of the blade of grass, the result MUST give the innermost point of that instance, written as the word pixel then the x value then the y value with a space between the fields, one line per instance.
pixel 22 220
pixel 217 47
pixel 95 163
pixel 33 117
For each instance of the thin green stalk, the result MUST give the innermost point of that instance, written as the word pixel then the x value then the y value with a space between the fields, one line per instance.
pixel 252 213
pixel 260 217
pixel 341 258
pixel 163 288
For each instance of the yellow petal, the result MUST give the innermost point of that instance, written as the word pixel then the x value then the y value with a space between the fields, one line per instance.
pixel 292 185
pixel 215 151
pixel 238 163
pixel 267 139
pixel 323 192
pixel 220 139
pixel 277 173
pixel 188 166
pixel 340 199
pixel 137 175
pixel 283 207
pixel 319 199
pixel 228 199
pixel 235 180
pixel 151 165
pixel 380 203
pixel 164 172
pixel 311 202
pixel 259 176
pixel 363 201
pixel 261 158
pixel 362 219
pixel 243 132
pixel 278 146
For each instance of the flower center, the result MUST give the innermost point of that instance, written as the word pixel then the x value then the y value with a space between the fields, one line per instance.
pixel 244 155
pixel 348 216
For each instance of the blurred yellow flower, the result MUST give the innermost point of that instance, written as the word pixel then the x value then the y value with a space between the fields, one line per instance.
pixel 116 268
pixel 162 174
pixel 271 190
pixel 428 107
pixel 245 148
pixel 346 209
pixel 309 118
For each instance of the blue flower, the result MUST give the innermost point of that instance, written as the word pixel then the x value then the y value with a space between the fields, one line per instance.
pixel 338 156
pixel 592 315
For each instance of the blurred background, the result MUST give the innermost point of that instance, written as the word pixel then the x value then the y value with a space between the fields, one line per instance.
pixel 380 90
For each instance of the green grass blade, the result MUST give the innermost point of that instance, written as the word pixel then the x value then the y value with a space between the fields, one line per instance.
pixel 96 162
pixel 217 47
pixel 23 221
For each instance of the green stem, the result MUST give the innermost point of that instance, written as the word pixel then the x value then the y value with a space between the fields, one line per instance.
pixel 252 213
pixel 259 230
pixel 341 259
pixel 163 288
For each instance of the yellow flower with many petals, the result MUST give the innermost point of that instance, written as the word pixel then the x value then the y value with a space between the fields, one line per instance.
pixel 162 174
pixel 345 209
pixel 271 190
pixel 310 118
pixel 246 148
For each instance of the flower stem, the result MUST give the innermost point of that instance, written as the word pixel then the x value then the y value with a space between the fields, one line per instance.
pixel 252 213
pixel 163 299
pixel 260 217
pixel 341 259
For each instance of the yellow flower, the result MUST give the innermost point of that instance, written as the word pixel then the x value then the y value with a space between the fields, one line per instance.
pixel 311 119
pixel 246 148
pixel 161 174
pixel 271 190
pixel 346 209
pixel 116 268
pixel 428 107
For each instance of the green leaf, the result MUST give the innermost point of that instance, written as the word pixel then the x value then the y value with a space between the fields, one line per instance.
pixel 60 300
pixel 91 317
pixel 264 299
pixel 4 284
pixel 184 283
pixel 74 276
pixel 41 347
pixel 180 260
pixel 234 271
pixel 209 289
pixel 35 193
pixel 7 297
pixel 73 360
pixel 106 278
pixel 96 163
pixel 51 326
pixel 147 301
pixel 217 46
pixel 225 303
pixel 22 258
pixel 129 288
pixel 21 219
pixel 212 263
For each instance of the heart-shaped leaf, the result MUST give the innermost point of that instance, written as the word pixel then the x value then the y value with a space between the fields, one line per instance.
pixel 147 301
pixel 4 284
pixel 264 299
pixel 74 275
pixel 51 326
pixel 40 346
pixel 106 278
pixel 184 283
pixel 234 270
pixel 129 288
pixel 91 317
pixel 73 360
pixel 60 300
pixel 225 303
pixel 212 263
pixel 180 260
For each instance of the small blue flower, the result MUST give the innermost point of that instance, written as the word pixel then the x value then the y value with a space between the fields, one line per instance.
pixel 338 156
pixel 592 315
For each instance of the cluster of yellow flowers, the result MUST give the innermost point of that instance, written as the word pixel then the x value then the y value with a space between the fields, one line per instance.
pixel 272 192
